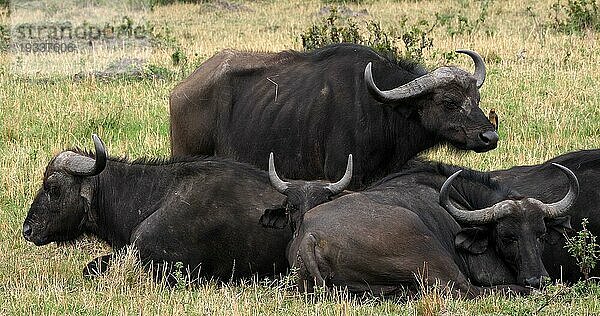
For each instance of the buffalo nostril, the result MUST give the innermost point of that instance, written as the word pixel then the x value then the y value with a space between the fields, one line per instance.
pixel 27 231
pixel 489 138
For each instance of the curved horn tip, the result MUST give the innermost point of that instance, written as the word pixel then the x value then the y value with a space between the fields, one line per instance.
pixel 570 174
pixel 101 154
pixel 341 185
pixel 480 71
pixel 279 185
pixel 443 199
pixel 98 142
pixel 560 208
pixel 369 73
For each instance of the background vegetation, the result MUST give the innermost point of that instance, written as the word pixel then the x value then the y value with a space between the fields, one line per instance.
pixel 542 56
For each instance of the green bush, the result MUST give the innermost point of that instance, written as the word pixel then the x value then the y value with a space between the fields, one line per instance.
pixel 336 29
pixel 4 37
pixel 584 249
pixel 459 23
pixel 576 16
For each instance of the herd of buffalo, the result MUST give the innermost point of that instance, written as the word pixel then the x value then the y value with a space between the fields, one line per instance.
pixel 363 213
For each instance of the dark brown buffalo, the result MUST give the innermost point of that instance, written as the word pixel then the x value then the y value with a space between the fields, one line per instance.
pixel 313 109
pixel 544 182
pixel 203 212
pixel 479 235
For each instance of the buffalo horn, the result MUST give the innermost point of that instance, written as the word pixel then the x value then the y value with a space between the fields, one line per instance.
pixel 339 186
pixel 479 65
pixel 424 83
pixel 413 88
pixel 478 217
pixel 80 165
pixel 279 185
pixel 561 207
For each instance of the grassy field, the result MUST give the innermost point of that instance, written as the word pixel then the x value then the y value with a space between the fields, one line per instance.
pixel 543 84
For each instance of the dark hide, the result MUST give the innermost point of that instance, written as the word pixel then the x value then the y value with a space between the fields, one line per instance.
pixel 313 109
pixel 203 212
pixel 546 183
pixel 378 239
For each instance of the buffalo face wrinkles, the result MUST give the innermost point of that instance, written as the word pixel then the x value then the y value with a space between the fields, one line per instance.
pixel 454 115
pixel 57 213
pixel 519 240
pixel 301 196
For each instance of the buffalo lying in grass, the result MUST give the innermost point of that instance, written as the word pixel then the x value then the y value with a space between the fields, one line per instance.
pixel 202 212
pixel 312 109
pixel 544 182
pixel 378 240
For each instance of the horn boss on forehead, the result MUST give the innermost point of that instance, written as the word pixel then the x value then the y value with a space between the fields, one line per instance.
pixel 80 165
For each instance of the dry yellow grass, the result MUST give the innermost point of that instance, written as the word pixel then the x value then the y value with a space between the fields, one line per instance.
pixel 542 84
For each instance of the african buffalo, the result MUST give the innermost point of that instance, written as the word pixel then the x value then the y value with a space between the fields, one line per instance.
pixel 377 240
pixel 315 108
pixel 203 212
pixel 545 183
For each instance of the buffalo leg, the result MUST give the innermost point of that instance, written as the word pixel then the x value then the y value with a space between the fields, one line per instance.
pixel 97 266
pixel 309 273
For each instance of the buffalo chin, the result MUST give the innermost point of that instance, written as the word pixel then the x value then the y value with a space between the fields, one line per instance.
pixel 484 149
pixel 39 241
pixel 475 148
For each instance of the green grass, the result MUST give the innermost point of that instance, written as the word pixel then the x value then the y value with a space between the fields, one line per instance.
pixel 548 104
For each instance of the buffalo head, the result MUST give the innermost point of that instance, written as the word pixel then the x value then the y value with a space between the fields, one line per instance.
pixel 514 228
pixel 58 211
pixel 451 104
pixel 301 196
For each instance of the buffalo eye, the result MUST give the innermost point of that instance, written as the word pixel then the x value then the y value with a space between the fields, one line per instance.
pixel 53 190
pixel 509 240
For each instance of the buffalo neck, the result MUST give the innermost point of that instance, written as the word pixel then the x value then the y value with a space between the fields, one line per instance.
pixel 409 138
pixel 124 195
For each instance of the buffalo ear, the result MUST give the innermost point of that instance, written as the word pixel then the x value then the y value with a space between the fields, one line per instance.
pixel 556 228
pixel 86 193
pixel 274 218
pixel 473 240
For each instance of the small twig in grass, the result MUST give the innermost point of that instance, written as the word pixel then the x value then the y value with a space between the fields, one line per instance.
pixel 552 298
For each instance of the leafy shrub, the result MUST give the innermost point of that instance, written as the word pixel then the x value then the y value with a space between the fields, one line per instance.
pixel 584 249
pixel 460 24
pixel 4 37
pixel 336 29
pixel 416 40
pixel 576 16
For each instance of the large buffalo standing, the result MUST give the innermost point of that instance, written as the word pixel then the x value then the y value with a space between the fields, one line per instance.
pixel 202 212
pixel 544 182
pixel 380 239
pixel 313 109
